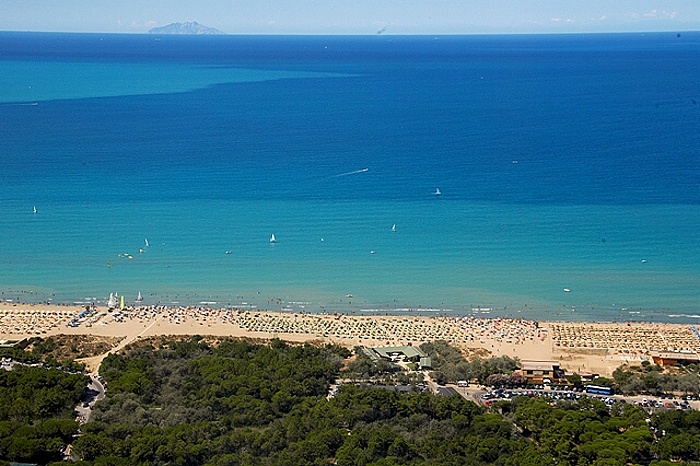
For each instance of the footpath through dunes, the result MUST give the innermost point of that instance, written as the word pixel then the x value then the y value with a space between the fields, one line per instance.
pixel 594 347
pixel 92 364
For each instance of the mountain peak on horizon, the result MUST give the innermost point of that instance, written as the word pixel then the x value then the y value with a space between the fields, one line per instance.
pixel 184 28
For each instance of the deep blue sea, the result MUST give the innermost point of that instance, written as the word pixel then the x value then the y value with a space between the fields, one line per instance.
pixel 568 167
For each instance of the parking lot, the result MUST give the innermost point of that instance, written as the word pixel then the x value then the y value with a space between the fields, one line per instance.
pixel 557 393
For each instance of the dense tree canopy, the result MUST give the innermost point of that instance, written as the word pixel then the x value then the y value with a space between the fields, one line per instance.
pixel 34 393
pixel 36 412
pixel 216 402
pixel 232 402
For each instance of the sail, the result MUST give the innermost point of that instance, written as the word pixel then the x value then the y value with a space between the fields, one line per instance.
pixel 273 239
pixel 112 303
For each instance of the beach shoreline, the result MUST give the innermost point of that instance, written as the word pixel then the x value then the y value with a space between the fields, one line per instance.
pixel 593 347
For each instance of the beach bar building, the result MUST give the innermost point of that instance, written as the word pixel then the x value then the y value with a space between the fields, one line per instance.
pixel 672 358
pixel 536 372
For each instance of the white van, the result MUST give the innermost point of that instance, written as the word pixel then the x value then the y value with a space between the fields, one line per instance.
pixel 462 383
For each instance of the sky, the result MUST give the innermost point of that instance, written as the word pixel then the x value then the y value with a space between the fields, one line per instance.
pixel 354 16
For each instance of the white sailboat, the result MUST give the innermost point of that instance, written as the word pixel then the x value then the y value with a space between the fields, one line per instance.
pixel 437 191
pixel 112 303
pixel 147 243
pixel 139 298
pixel 35 211
pixel 273 239
pixel 393 227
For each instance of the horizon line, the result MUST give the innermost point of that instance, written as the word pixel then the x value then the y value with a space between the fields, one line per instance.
pixel 304 34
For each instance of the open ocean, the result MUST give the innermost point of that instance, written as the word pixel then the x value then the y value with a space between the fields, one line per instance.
pixel 568 166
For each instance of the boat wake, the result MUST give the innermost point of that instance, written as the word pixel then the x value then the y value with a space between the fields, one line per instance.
pixel 354 172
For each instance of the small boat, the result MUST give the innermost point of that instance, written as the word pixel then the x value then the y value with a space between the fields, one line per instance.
pixel 228 252
pixel 437 192
pixel 566 290
pixel 139 298
pixel 393 227
pixel 112 303
pixel 35 211
pixel 147 243
pixel 273 239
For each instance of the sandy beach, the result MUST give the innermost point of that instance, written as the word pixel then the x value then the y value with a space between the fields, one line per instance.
pixel 578 346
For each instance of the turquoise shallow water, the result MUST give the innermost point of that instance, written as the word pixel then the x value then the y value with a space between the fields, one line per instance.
pixel 564 163
pixel 36 81
pixel 474 258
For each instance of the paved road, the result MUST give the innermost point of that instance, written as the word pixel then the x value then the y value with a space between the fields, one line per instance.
pixel 472 392
pixel 96 392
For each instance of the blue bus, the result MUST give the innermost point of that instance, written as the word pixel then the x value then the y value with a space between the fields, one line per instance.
pixel 599 390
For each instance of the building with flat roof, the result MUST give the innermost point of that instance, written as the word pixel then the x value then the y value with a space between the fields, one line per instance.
pixel 398 354
pixel 540 371
pixel 672 358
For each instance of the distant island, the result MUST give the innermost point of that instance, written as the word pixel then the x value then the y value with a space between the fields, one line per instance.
pixel 184 28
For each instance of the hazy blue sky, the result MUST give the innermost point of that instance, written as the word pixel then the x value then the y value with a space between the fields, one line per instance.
pixel 354 16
